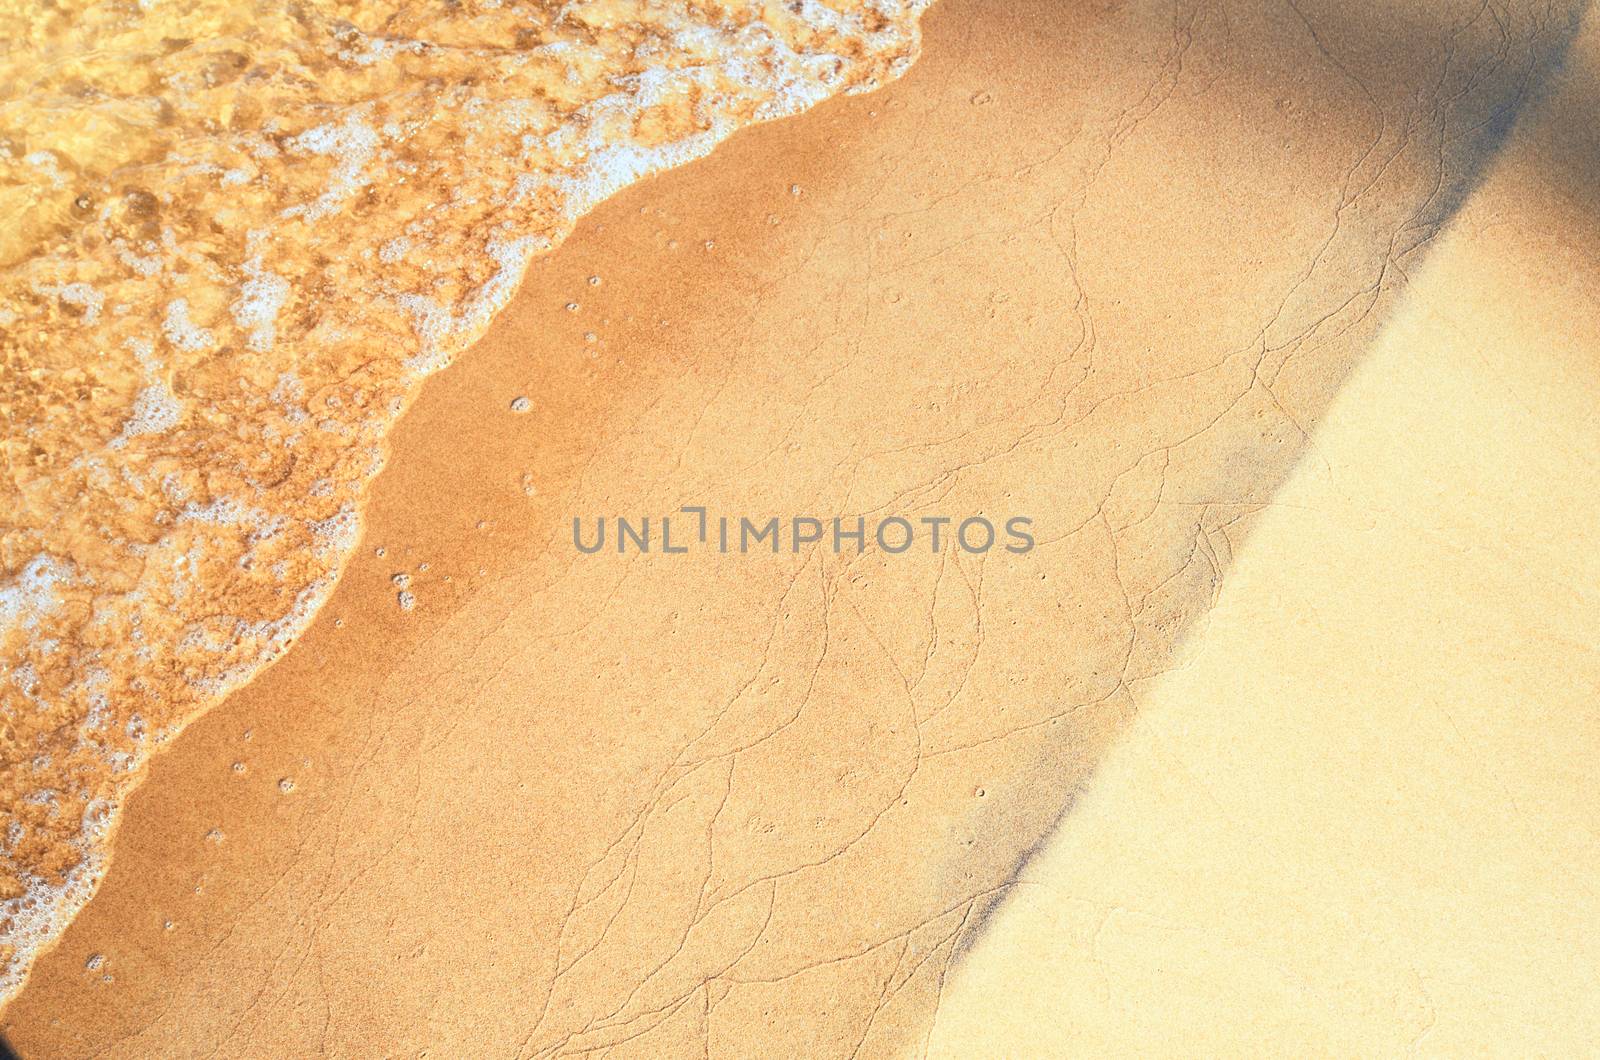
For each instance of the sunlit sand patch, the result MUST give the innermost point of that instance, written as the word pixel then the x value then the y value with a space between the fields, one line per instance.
pixel 1361 819
pixel 232 240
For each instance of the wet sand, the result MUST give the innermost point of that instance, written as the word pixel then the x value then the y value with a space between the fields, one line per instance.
pixel 234 241
pixel 1106 268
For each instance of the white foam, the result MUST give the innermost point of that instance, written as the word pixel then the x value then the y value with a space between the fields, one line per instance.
pixel 82 295
pixel 351 144
pixel 394 250
pixel 155 409
pixel 183 332
pixel 261 298
pixel 31 595
pixel 730 68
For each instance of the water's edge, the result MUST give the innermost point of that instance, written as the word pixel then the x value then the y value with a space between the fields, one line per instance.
pixel 103 665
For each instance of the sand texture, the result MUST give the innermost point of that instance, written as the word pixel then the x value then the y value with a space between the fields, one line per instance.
pixel 1362 818
pixel 1269 317
pixel 237 238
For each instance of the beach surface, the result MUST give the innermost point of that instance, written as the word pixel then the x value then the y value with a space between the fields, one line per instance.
pixel 1160 278
pixel 1360 818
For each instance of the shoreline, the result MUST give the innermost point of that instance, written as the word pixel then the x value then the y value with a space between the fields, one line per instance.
pixel 37 908
pixel 770 802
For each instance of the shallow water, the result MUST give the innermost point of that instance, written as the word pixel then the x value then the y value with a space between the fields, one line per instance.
pixel 233 238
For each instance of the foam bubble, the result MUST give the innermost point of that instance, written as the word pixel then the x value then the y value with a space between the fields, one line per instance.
pixel 183 332
pixel 253 308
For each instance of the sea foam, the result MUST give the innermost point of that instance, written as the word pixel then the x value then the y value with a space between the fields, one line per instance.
pixel 243 234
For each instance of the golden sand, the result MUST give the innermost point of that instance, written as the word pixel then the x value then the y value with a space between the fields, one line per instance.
pixel 234 238
pixel 1107 266
pixel 1363 817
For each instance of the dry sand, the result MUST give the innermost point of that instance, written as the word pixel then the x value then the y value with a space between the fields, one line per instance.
pixel 1103 267
pixel 1362 818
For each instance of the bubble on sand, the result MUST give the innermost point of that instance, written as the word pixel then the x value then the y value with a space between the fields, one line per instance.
pixel 406 600
pixel 95 961
pixel 263 304
pixel 286 784
pixel 520 404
